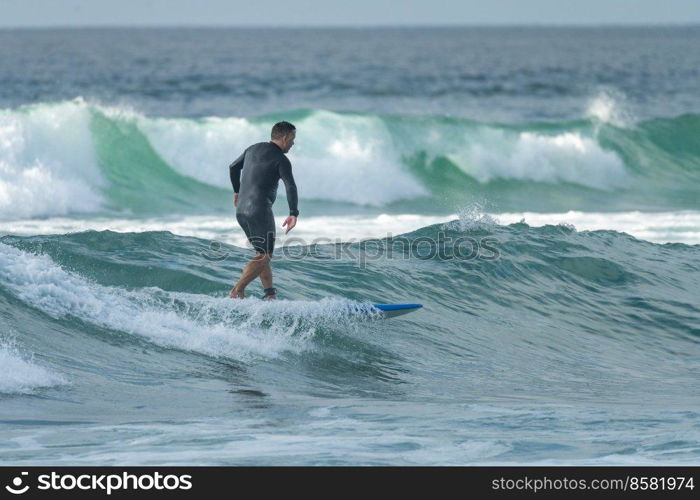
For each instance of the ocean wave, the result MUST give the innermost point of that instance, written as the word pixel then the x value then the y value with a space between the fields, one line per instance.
pixel 566 313
pixel 215 326
pixel 48 165
pixel 19 374
pixel 76 157
pixel 161 286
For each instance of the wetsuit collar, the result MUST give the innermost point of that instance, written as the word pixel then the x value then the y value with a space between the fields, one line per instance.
pixel 274 143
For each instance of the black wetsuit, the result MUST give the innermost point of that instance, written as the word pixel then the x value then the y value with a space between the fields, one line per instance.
pixel 263 165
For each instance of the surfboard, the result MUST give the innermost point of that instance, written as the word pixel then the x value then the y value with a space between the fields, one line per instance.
pixel 393 310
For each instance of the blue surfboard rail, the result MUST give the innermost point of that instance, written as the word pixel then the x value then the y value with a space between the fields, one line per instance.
pixel 393 310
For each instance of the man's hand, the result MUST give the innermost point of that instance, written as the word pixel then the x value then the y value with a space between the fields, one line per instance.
pixel 235 199
pixel 290 222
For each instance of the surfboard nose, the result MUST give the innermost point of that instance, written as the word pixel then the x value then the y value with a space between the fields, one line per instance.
pixel 393 310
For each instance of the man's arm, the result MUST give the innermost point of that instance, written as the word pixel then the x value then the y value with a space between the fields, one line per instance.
pixel 234 170
pixel 285 172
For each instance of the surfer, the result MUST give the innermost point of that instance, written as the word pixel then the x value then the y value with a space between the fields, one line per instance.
pixel 262 166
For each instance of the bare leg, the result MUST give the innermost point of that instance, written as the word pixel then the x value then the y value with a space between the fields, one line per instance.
pixel 266 278
pixel 251 271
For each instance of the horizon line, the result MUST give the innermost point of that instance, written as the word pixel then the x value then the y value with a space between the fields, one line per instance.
pixel 358 26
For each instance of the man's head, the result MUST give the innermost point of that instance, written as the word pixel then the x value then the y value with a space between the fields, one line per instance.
pixel 283 134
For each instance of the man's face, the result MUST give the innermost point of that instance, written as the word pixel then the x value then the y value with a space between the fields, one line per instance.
pixel 289 141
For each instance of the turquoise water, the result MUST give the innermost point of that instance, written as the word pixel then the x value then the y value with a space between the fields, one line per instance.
pixel 547 344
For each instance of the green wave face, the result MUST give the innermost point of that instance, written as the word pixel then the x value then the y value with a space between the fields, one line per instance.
pixel 139 180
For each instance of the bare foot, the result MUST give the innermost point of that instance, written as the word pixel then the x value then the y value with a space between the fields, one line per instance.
pixel 236 294
pixel 270 297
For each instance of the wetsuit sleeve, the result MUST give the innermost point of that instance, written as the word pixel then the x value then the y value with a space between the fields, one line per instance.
pixel 234 170
pixel 285 172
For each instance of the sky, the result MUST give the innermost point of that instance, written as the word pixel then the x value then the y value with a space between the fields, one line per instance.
pixel 39 13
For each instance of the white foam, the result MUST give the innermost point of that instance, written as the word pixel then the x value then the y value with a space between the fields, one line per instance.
pixel 320 229
pixel 610 106
pixel 201 149
pixel 657 227
pixel 336 157
pixel 351 158
pixel 20 375
pixel 565 157
pixel 47 162
pixel 215 326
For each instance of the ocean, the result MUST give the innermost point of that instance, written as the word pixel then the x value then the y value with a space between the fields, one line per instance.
pixel 536 189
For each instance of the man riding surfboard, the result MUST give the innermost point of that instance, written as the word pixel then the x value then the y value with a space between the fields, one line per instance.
pixel 255 176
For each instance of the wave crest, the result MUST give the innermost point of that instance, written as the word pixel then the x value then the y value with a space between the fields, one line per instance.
pixel 74 157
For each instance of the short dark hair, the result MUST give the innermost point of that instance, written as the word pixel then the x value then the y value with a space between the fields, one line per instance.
pixel 280 129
